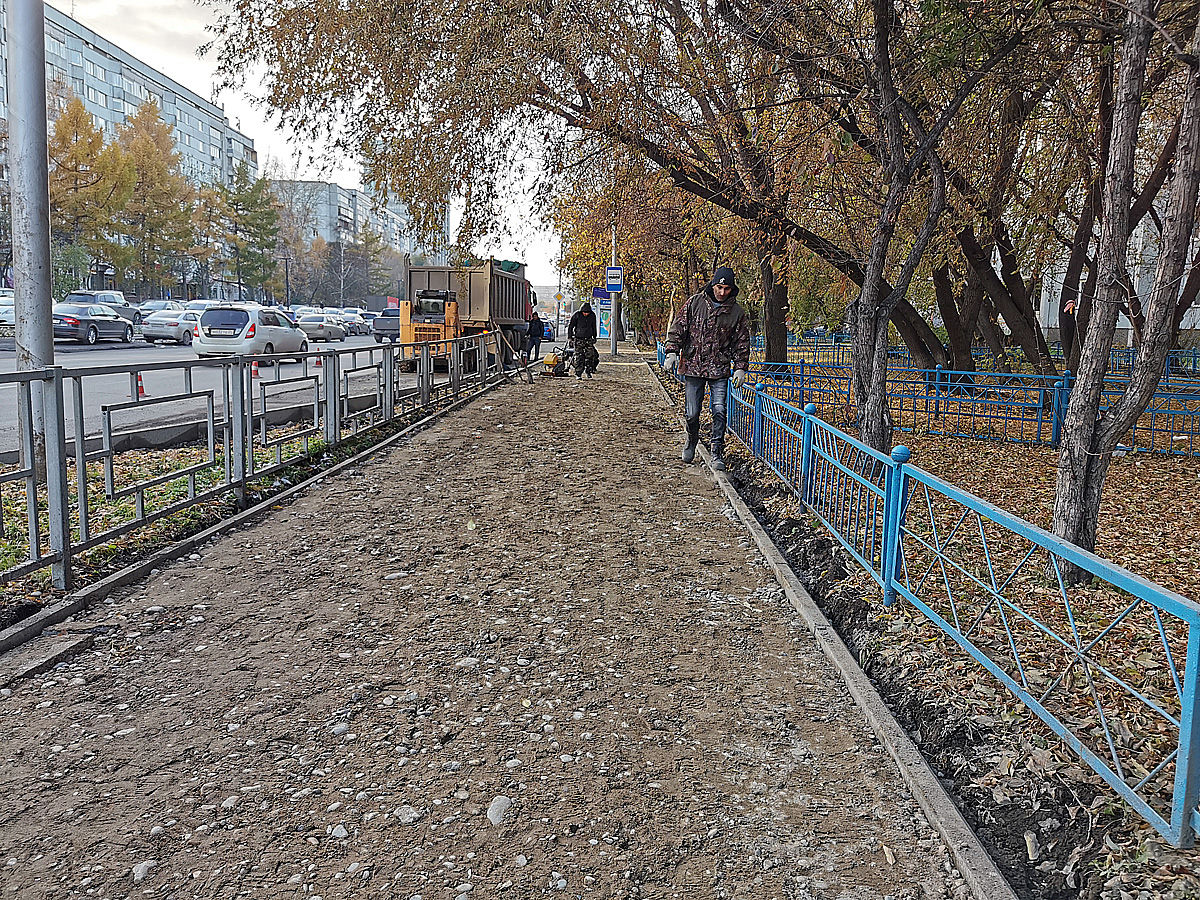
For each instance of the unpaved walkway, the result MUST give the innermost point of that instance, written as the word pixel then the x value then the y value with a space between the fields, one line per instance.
pixel 532 600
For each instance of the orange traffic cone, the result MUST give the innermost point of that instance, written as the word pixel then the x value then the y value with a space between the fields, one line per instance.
pixel 254 369
pixel 141 387
pixel 318 362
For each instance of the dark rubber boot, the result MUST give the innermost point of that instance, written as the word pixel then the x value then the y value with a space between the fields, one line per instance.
pixel 693 438
pixel 718 457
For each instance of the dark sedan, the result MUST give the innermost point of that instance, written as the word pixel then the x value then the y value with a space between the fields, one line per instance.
pixel 89 324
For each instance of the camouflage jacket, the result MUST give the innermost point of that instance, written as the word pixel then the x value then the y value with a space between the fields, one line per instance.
pixel 710 338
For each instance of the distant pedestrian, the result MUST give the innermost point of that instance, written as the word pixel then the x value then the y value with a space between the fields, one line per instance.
pixel 582 330
pixel 533 339
pixel 710 336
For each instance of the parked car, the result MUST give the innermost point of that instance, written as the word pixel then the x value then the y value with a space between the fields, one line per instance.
pixel 242 329
pixel 90 323
pixel 201 305
pixel 153 306
pixel 114 300
pixel 354 322
pixel 369 317
pixel 170 325
pixel 322 328
pixel 8 306
pixel 547 331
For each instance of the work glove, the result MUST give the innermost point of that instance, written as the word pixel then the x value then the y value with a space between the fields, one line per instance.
pixel 671 363
pixel 739 378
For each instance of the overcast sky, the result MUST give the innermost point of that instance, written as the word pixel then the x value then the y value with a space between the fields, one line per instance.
pixel 166 34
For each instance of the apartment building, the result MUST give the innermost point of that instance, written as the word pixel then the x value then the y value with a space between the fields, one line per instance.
pixel 339 214
pixel 112 84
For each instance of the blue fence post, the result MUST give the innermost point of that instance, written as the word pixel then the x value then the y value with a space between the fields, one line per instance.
pixel 756 433
pixel 806 469
pixel 1187 764
pixel 937 391
pixel 895 487
pixel 1056 413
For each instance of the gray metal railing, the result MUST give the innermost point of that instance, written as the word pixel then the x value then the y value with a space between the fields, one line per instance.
pixel 126 446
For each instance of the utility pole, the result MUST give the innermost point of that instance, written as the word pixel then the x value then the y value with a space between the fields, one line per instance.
pixel 614 306
pixel 287 283
pixel 28 158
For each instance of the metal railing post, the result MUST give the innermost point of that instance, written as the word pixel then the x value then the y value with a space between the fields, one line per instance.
pixel 333 399
pixel 389 384
pixel 806 454
pixel 425 375
pixel 481 359
pixel 1187 765
pixel 800 399
pixel 240 438
pixel 893 514
pixel 756 433
pixel 57 498
pixel 455 366
pixel 937 391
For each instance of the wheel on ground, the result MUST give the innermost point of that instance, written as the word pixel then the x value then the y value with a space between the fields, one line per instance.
pixel 342 339
pixel 137 318
pixel 127 337
pixel 149 340
pixel 378 339
pixel 303 349
pixel 267 351
pixel 186 340
pixel 92 336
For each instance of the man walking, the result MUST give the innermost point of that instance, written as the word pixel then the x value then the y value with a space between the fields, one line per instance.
pixel 533 344
pixel 709 337
pixel 582 330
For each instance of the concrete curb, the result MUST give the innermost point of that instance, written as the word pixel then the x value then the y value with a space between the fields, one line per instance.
pixel 977 868
pixel 29 628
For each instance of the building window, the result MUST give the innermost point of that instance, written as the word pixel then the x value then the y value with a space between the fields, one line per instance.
pixel 96 71
pixel 77 87
pixel 98 97
pixel 76 58
pixel 55 47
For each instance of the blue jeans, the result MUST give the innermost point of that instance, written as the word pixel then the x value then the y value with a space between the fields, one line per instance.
pixel 694 401
pixel 535 348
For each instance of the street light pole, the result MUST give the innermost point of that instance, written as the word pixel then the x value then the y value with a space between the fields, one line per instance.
pixel 614 305
pixel 29 164
pixel 287 283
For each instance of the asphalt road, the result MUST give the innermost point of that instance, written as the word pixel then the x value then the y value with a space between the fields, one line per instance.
pixel 105 390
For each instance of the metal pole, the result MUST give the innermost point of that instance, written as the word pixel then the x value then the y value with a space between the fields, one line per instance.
pixel 29 160
pixel 287 283
pixel 614 303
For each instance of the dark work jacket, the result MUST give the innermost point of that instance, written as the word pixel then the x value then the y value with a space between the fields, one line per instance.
pixel 583 326
pixel 536 329
pixel 710 338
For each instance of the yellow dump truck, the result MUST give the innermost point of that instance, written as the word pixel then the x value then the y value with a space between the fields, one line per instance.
pixel 445 302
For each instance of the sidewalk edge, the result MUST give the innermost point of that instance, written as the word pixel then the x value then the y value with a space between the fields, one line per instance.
pixel 977 868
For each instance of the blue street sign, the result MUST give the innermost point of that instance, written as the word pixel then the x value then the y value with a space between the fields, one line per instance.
pixel 599 294
pixel 615 277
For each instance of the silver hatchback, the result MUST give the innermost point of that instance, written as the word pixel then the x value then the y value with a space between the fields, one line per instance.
pixel 170 325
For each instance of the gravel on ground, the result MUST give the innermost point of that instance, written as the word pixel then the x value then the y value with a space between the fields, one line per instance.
pixel 525 653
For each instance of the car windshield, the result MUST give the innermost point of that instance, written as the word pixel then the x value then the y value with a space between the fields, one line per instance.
pixel 312 319
pixel 157 305
pixel 72 309
pixel 225 318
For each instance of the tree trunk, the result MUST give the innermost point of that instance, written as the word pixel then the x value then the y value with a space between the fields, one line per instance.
pixel 772 253
pixel 960 326
pixel 926 349
pixel 1086 449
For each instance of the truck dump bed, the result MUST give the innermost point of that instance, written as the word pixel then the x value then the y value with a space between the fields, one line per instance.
pixel 486 293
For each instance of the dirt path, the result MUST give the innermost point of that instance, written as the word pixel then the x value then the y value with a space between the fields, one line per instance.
pixel 486 622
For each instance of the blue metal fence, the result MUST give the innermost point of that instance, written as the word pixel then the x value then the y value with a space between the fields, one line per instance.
pixel 1111 666
pixel 1011 407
